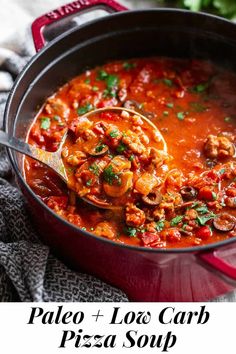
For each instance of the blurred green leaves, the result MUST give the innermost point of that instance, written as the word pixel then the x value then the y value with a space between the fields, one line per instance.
pixel 226 8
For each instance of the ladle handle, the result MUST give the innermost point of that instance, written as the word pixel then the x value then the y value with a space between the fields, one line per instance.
pixel 15 144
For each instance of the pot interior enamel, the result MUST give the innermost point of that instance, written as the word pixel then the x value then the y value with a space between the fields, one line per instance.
pixel 173 33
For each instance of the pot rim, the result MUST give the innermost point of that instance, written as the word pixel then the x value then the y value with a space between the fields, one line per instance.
pixel 194 249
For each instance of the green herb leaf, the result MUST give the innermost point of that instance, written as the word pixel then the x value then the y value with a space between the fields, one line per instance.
pixel 110 176
pixel 121 148
pixel 165 113
pixel 202 220
pixel 112 81
pixel 95 88
pixel 114 133
pixel 201 87
pixel 168 82
pixel 128 66
pixel 131 158
pixel 221 172
pixel 202 210
pixel 130 231
pixel 102 75
pixel 89 182
pixel 170 105
pixel 214 195
pixel 45 123
pixel 160 225
pixel 87 81
pixel 94 168
pixel 175 221
pixel 181 115
pixel 99 148
pixel 85 109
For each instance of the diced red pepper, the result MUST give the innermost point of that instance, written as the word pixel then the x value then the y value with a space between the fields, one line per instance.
pixel 231 192
pixel 206 193
pixel 149 237
pixel 172 235
pixel 204 233
pixel 213 175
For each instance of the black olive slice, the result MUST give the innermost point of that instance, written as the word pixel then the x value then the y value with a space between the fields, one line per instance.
pixel 224 222
pixel 136 106
pixel 132 104
pixel 99 150
pixel 153 198
pixel 188 193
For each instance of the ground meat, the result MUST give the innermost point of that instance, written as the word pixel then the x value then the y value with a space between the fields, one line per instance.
pixel 151 227
pixel 57 107
pixel 230 202
pixel 218 147
pixel 190 214
pixel 133 142
pixel 105 229
pixel 134 216
pixel 158 214
pixel 82 125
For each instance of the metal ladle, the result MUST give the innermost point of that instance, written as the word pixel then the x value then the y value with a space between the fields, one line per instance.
pixel 54 160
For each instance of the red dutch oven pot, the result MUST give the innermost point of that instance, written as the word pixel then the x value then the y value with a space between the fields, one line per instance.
pixel 191 274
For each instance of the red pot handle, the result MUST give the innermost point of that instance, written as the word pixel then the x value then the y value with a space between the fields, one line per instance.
pixel 68 10
pixel 219 264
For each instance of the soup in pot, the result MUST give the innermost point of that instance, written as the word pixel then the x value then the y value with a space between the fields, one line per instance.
pixel 170 190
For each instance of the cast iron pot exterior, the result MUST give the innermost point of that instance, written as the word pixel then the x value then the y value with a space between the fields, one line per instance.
pixel 144 274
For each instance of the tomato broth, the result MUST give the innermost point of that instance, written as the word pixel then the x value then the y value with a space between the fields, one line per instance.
pixel 182 197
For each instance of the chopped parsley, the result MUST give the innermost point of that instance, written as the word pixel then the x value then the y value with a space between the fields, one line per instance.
pixel 95 88
pixel 87 81
pixel 89 182
pixel 128 66
pixel 221 172
pixel 114 133
pixel 170 105
pixel 202 210
pixel 132 157
pixel 45 123
pixel 102 75
pixel 168 82
pixel 112 82
pixel 94 169
pixel 109 93
pixel 85 109
pixel 201 87
pixel 181 115
pixel 175 221
pixel 165 113
pixel 214 195
pixel 130 231
pixel 160 225
pixel 99 148
pixel 203 219
pixel 121 148
pixel 57 118
pixel 110 176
